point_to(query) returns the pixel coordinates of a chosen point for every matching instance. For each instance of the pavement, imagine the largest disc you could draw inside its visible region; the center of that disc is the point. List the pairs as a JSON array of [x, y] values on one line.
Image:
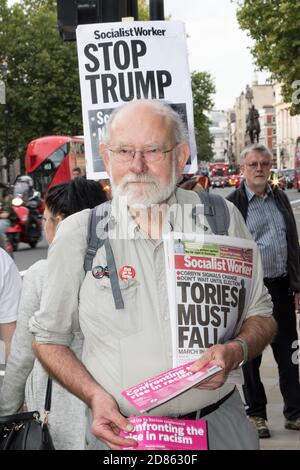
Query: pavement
[[281, 438]]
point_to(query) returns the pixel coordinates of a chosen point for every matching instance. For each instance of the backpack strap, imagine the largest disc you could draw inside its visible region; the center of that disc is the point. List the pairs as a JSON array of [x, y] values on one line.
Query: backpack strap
[[216, 212], [97, 236], [100, 214]]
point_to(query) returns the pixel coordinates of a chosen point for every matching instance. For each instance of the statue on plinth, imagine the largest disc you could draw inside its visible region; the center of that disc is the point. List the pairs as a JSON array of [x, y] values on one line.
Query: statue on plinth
[[253, 125]]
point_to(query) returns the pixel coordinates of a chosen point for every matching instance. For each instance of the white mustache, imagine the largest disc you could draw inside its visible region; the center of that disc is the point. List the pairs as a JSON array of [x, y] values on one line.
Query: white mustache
[[139, 179]]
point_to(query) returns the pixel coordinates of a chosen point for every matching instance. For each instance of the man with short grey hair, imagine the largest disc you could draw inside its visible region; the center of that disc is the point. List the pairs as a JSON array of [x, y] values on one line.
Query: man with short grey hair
[[144, 153], [269, 217]]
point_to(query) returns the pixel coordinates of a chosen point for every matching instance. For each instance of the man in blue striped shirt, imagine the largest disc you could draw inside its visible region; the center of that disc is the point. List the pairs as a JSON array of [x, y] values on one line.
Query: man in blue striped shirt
[[269, 217]]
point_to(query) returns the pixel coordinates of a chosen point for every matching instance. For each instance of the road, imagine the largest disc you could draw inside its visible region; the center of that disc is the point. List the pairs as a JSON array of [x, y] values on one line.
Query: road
[[26, 256]]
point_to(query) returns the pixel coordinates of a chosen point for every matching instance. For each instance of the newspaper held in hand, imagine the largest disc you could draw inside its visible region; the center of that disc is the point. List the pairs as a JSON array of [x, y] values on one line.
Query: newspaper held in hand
[[163, 387], [160, 433], [210, 283]]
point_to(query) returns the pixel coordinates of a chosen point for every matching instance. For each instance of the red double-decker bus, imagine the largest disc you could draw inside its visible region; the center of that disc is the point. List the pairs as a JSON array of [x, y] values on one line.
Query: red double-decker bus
[[297, 165], [50, 160], [219, 169]]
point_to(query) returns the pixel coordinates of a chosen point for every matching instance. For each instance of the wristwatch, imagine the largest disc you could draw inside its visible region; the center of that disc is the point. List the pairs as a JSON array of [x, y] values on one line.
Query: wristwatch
[[244, 347]]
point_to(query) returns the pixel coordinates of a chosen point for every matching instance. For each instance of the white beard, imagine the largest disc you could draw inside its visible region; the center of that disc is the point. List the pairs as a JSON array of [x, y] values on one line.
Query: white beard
[[144, 190]]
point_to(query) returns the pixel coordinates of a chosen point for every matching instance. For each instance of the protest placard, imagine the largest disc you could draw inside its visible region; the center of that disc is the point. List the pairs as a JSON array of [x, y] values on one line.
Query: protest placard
[[120, 62]]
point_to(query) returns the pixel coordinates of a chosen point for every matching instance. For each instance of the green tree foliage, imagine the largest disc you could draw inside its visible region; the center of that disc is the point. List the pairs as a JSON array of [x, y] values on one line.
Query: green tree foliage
[[42, 83], [203, 88], [274, 25]]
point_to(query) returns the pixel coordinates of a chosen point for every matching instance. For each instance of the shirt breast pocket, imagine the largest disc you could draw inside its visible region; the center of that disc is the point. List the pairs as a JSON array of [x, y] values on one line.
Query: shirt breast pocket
[[123, 322]]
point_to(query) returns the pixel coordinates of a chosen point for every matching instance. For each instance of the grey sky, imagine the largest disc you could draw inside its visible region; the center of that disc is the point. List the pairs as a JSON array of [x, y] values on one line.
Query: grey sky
[[215, 44]]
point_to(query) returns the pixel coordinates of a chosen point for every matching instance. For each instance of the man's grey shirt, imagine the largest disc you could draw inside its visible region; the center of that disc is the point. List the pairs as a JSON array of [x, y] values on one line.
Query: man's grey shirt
[[125, 347]]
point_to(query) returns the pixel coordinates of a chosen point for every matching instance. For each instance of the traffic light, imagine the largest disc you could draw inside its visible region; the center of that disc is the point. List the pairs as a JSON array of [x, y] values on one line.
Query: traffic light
[[71, 13], [111, 10], [67, 19], [115, 10], [87, 11]]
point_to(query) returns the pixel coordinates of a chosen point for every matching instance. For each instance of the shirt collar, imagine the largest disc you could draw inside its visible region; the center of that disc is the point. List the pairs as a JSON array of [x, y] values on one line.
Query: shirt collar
[[251, 194]]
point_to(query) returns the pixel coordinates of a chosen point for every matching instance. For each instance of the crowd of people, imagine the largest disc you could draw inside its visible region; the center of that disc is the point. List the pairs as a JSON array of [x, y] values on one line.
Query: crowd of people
[[97, 335]]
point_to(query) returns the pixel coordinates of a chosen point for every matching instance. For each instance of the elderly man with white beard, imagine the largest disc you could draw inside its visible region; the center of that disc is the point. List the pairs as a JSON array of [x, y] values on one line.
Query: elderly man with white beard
[[145, 151]]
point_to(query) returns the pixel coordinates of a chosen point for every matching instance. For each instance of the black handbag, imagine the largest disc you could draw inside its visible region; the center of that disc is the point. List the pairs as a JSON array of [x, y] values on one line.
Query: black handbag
[[25, 431]]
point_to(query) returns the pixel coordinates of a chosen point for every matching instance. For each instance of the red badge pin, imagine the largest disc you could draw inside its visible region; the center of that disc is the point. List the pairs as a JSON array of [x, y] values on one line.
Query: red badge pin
[[127, 272]]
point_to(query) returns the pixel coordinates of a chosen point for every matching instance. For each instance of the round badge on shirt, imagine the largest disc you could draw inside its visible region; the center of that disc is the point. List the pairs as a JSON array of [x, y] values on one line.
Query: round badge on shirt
[[98, 272], [127, 272]]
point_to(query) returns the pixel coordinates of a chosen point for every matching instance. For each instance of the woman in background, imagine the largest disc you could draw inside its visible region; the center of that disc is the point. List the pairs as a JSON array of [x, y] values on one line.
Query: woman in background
[[25, 379]]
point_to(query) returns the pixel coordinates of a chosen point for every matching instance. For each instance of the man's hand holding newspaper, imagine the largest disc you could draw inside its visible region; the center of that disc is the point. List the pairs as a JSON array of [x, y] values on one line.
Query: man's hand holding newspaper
[[228, 356]]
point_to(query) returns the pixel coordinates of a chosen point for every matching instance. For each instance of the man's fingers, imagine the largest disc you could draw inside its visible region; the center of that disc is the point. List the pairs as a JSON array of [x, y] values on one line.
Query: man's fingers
[[212, 383], [205, 359], [122, 423], [107, 428], [111, 435]]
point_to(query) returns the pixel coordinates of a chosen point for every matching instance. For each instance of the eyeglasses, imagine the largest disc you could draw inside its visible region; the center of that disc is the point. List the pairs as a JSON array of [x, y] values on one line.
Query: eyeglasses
[[254, 165], [150, 154]]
